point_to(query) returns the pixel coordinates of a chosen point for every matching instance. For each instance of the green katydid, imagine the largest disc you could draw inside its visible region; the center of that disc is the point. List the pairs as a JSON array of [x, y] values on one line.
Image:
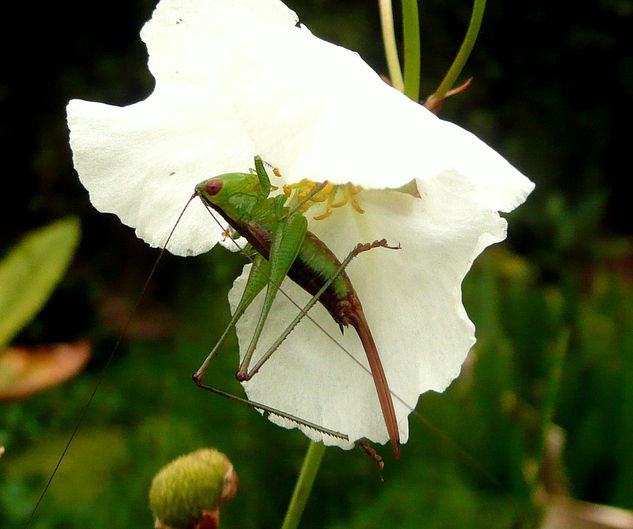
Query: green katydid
[[284, 246]]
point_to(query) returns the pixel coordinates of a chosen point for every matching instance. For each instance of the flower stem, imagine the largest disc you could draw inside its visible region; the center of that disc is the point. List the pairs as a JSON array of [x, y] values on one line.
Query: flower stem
[[464, 51], [300, 495], [411, 29], [389, 40]]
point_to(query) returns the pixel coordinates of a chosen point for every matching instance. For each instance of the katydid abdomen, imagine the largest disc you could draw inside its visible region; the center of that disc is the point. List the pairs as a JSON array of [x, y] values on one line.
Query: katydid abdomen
[[242, 200]]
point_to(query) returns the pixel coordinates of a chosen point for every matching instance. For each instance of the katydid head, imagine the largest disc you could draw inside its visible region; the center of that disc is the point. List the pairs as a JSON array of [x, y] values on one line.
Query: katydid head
[[216, 190]]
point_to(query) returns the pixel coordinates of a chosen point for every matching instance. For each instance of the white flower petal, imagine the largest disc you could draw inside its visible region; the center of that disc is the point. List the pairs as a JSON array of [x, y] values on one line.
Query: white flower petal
[[195, 40], [412, 301], [143, 161], [238, 78], [313, 109]]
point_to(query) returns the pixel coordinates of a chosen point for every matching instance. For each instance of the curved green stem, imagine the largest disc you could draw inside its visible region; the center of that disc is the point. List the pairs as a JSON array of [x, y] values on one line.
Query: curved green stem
[[389, 41], [464, 51], [411, 28], [300, 495]]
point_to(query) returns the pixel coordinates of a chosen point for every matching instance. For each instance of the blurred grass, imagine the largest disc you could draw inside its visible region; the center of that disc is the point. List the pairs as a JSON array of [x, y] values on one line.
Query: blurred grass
[[476, 467]]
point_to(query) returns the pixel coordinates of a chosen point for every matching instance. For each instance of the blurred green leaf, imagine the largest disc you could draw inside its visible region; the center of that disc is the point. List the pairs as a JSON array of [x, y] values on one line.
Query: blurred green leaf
[[30, 271]]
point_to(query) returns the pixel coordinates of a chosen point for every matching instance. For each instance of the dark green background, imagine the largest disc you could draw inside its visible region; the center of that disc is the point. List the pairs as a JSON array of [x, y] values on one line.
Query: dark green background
[[551, 91]]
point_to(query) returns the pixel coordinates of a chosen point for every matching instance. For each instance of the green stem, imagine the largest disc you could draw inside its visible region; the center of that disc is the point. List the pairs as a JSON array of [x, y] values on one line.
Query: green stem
[[464, 51], [411, 29], [304, 484], [389, 40]]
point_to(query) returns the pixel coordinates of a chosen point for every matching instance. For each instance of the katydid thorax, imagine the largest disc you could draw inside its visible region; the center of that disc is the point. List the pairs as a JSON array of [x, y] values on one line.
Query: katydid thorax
[[283, 245]]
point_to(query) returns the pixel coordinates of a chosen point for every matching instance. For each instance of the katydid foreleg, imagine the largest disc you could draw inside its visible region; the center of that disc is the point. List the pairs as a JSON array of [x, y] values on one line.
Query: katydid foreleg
[[286, 243], [257, 280]]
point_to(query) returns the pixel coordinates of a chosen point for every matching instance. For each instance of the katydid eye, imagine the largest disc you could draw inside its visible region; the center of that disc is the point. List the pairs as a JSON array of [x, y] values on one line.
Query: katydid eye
[[213, 186]]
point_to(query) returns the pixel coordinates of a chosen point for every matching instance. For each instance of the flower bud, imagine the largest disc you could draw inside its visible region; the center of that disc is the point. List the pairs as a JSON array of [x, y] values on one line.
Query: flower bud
[[187, 493]]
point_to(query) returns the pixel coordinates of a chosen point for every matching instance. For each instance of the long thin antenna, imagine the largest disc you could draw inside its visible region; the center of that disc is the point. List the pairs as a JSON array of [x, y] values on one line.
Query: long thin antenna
[[102, 373]]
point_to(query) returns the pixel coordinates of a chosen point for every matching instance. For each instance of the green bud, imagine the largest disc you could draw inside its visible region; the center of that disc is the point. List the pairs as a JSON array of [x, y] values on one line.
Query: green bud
[[187, 493]]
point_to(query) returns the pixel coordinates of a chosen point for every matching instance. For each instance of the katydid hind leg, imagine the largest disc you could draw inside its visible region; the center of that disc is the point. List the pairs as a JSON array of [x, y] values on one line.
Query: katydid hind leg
[[359, 322], [268, 410], [380, 380], [303, 312]]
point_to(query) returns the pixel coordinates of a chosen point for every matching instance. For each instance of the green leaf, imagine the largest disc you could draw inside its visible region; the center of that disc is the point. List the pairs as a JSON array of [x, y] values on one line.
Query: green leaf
[[30, 271]]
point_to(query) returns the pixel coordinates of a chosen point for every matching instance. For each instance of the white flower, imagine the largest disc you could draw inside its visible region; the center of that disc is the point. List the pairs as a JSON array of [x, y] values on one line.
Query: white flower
[[238, 78]]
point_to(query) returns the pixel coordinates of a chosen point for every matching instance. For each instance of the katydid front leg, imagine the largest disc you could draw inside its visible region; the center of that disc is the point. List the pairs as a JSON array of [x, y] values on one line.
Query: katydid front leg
[[287, 241], [257, 280]]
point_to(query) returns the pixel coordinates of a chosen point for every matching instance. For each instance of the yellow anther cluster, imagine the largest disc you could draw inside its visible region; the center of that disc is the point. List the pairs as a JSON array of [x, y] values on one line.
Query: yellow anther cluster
[[334, 196]]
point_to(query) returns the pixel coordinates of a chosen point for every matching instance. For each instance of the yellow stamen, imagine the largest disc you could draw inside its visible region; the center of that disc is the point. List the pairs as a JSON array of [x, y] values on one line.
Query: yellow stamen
[[357, 207], [324, 194], [328, 195], [345, 198], [324, 216]]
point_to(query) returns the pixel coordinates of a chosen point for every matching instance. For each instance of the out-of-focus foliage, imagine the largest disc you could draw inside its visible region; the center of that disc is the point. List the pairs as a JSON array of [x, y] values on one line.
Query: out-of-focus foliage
[[28, 370], [553, 306], [30, 271], [28, 274], [477, 465]]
